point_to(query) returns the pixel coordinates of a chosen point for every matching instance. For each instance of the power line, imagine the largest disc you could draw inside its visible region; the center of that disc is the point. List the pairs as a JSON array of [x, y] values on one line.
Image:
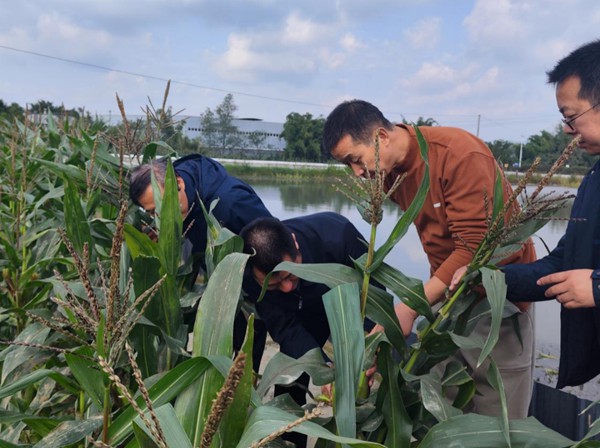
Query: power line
[[158, 78]]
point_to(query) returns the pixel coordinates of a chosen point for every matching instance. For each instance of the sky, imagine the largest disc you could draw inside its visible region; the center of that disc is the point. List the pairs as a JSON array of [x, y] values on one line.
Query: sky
[[476, 64]]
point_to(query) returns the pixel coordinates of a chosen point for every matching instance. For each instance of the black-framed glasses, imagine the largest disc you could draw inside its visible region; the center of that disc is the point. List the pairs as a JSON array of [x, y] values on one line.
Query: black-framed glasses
[[569, 122]]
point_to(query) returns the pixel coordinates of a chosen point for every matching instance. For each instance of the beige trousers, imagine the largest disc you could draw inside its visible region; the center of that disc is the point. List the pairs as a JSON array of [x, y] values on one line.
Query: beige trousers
[[515, 360]]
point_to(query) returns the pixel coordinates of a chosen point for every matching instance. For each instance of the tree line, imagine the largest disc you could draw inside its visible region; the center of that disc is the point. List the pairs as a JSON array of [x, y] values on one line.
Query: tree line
[[302, 134]]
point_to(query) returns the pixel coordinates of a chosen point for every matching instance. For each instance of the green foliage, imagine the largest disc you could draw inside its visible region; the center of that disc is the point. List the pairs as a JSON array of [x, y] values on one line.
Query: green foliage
[[11, 111], [303, 135], [421, 122], [218, 130]]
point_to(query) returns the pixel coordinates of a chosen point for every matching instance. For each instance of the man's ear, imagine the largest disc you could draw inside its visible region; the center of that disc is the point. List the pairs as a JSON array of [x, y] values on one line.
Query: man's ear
[[383, 134], [180, 184]]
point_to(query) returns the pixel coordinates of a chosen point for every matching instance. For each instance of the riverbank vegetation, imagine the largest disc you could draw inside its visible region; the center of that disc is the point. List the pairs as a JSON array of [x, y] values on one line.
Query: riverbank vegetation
[[330, 174]]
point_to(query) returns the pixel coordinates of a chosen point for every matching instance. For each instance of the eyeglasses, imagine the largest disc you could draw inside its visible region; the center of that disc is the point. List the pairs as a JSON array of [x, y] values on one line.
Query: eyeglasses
[[569, 122]]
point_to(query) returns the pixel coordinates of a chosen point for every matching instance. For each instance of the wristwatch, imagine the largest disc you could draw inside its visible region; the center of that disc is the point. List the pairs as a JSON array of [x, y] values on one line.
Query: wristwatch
[[596, 286]]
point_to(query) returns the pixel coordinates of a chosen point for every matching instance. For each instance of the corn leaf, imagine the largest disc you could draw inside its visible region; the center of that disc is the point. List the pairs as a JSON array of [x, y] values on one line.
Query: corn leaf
[[495, 380], [77, 226], [234, 420], [380, 309], [70, 432], [330, 274], [434, 400], [392, 404], [342, 305], [170, 237], [479, 431], [213, 335], [173, 432], [283, 369], [409, 290], [267, 419], [87, 374], [495, 288], [169, 386]]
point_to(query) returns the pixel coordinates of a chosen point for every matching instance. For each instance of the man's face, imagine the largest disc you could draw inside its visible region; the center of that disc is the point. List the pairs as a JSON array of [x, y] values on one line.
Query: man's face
[[147, 198], [584, 121], [360, 157], [280, 281]]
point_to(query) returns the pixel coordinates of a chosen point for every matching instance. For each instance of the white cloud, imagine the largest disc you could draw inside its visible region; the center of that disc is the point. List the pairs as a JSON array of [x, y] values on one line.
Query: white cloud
[[496, 21], [425, 34], [299, 48], [60, 30], [245, 62], [350, 43], [299, 31]]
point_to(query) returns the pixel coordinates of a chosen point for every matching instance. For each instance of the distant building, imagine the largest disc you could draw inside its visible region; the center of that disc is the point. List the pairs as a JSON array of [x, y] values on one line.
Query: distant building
[[270, 132]]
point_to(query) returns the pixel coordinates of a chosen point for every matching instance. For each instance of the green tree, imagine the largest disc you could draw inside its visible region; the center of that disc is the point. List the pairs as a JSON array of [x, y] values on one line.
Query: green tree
[[218, 130], [303, 135], [208, 125], [12, 111], [504, 151], [169, 128], [45, 107], [256, 140], [421, 122]]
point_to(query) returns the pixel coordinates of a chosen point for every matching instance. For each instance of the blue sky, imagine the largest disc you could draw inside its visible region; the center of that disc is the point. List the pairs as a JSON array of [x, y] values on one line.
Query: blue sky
[[475, 64]]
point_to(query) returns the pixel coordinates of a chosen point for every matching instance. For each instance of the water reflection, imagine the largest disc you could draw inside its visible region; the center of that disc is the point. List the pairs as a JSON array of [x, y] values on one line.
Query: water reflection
[[288, 201]]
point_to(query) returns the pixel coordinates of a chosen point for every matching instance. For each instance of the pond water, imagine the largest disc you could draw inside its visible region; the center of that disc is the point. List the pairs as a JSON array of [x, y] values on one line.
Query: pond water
[[288, 201]]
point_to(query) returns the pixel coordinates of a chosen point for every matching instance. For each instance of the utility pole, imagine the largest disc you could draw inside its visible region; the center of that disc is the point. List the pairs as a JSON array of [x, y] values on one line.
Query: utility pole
[[521, 153]]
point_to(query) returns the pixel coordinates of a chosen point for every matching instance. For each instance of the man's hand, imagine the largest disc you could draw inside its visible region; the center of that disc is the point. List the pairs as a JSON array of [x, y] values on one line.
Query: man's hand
[[457, 277], [406, 316], [327, 391], [573, 289]]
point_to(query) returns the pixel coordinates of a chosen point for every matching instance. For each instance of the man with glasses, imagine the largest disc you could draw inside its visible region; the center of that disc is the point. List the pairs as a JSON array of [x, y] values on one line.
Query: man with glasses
[[292, 308], [570, 274]]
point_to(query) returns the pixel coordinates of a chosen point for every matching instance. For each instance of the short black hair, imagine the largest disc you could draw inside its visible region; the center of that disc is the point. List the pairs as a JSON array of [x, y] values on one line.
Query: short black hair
[[269, 240], [356, 118], [584, 62], [141, 177]]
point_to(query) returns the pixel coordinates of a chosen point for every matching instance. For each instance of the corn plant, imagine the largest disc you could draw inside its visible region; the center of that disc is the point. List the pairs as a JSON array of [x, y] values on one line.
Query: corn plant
[[93, 358]]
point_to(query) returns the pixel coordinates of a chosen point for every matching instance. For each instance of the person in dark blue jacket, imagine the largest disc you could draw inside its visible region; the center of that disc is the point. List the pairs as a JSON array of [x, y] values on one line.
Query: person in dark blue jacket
[[293, 309], [570, 274], [201, 179]]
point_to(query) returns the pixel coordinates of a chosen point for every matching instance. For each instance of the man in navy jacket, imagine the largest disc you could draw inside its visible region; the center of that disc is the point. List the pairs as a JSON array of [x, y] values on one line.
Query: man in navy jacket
[[293, 309], [201, 179], [571, 272]]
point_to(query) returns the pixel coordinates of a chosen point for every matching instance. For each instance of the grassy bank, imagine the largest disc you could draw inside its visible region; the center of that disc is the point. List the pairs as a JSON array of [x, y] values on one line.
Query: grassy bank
[[285, 174], [304, 175]]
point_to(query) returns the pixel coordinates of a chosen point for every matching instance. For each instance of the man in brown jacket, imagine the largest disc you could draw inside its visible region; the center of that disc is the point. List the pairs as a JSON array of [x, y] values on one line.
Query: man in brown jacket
[[450, 225]]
